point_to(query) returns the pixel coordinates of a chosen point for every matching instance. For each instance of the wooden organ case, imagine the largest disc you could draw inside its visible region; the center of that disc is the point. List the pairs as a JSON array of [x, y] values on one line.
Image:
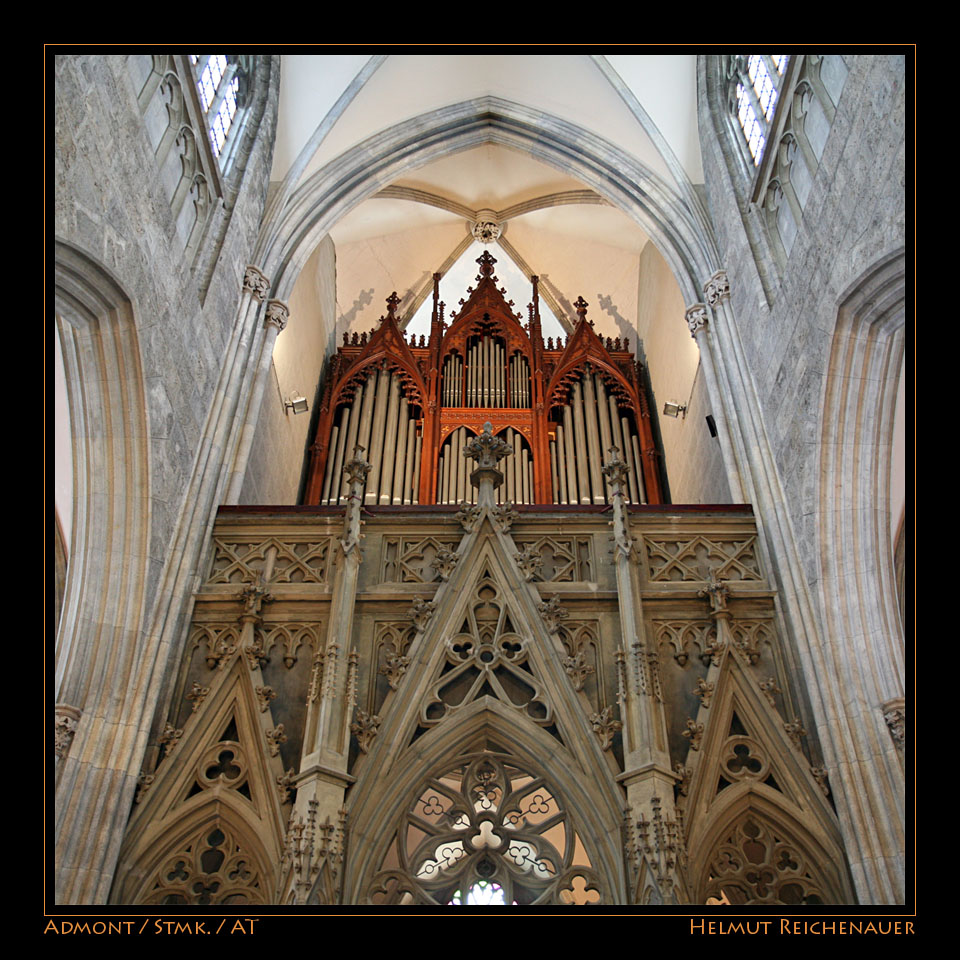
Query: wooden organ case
[[413, 407]]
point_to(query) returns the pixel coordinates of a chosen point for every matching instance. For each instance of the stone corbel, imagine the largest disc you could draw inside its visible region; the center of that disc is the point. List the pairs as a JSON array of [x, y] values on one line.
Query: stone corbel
[[256, 283], [65, 723], [717, 288], [696, 317], [277, 314], [895, 716]]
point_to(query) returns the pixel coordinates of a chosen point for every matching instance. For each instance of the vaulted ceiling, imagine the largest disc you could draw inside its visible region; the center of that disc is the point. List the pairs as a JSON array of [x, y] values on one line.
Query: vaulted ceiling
[[552, 224]]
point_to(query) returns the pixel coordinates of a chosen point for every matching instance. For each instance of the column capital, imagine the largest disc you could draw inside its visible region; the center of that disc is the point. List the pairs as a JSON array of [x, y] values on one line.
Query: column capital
[[696, 317], [255, 280], [277, 313], [717, 288]]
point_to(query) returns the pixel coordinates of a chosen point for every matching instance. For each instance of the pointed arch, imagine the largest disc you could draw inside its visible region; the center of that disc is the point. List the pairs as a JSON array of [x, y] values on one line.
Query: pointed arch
[[289, 238], [99, 640], [380, 803], [856, 568], [754, 850], [215, 775], [214, 855]]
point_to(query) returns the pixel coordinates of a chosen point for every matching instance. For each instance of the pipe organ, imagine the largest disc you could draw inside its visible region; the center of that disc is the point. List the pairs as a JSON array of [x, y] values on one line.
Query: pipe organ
[[414, 406]]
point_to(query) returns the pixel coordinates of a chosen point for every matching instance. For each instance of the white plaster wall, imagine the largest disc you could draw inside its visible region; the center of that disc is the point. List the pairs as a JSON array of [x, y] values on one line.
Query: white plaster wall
[[277, 460], [694, 467]]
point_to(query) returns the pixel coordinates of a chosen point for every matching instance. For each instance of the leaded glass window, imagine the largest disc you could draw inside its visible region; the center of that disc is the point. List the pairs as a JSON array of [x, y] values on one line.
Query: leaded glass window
[[760, 79], [218, 84]]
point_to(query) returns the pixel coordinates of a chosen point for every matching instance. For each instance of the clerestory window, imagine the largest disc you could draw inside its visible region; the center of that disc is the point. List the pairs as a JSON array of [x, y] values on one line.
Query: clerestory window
[[760, 79], [219, 82]]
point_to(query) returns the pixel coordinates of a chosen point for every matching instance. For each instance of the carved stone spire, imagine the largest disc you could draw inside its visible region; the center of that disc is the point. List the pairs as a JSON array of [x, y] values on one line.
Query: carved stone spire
[[356, 472], [615, 471]]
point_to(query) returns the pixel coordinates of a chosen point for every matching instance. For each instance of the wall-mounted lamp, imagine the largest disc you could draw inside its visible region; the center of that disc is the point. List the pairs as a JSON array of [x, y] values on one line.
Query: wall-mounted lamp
[[296, 403], [671, 409]]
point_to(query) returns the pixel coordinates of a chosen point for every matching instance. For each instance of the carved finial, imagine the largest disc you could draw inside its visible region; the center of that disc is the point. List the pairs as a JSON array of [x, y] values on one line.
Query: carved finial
[[770, 689], [704, 691], [581, 306], [421, 612], [444, 562], [718, 593], [795, 731], [694, 733], [605, 726], [529, 561], [169, 737], [820, 775], [392, 302], [364, 728], [197, 694], [552, 613], [275, 737], [486, 264], [488, 450]]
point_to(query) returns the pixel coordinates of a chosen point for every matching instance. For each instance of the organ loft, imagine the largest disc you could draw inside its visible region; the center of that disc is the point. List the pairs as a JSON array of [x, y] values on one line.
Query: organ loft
[[483, 663], [414, 407]]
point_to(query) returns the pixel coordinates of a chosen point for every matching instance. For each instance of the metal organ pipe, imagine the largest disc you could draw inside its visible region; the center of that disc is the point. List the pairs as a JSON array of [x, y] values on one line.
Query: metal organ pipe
[[366, 416], [396, 492], [342, 451], [328, 473], [408, 493], [390, 440], [593, 439], [561, 466], [415, 488], [639, 463], [583, 474], [554, 482], [572, 495], [606, 437]]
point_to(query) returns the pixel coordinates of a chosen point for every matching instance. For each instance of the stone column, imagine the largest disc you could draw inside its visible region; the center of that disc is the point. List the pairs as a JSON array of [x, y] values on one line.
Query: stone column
[[868, 790], [323, 778], [647, 775]]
